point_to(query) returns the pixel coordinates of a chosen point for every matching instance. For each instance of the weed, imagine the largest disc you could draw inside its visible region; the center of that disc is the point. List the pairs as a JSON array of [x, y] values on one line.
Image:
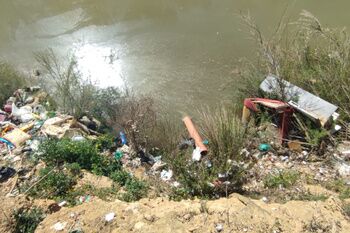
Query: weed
[[54, 183], [346, 209], [340, 186], [317, 224], [135, 190], [121, 177], [310, 197], [283, 179], [84, 153], [74, 168], [106, 194], [26, 220]]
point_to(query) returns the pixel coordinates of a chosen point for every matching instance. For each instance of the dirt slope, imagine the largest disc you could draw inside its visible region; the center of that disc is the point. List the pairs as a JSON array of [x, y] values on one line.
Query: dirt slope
[[235, 214]]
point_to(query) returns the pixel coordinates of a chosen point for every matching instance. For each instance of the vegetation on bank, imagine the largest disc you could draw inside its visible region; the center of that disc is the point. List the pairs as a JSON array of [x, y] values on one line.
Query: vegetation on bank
[[312, 56]]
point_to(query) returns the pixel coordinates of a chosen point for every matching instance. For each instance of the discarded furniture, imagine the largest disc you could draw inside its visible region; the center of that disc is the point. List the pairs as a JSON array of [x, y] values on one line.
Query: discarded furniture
[[308, 104], [283, 110]]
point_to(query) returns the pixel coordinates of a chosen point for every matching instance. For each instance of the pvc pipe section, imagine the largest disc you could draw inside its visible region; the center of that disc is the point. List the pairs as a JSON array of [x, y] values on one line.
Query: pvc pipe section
[[195, 135]]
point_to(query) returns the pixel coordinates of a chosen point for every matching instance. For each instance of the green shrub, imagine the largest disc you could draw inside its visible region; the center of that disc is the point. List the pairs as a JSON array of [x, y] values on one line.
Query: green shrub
[[58, 151], [346, 209], [74, 168], [104, 142], [135, 190], [283, 179], [121, 177], [224, 131], [106, 194], [53, 183], [340, 186], [26, 220]]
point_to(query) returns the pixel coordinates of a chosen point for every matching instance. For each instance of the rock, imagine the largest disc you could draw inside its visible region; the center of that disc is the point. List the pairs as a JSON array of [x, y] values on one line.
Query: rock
[[219, 227], [139, 225], [150, 218]]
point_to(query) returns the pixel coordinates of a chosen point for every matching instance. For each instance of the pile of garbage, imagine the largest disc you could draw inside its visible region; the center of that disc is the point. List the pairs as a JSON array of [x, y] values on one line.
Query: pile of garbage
[[25, 123], [281, 142]]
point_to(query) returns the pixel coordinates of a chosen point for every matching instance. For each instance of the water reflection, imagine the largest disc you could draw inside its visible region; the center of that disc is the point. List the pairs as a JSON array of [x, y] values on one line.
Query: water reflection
[[100, 64]]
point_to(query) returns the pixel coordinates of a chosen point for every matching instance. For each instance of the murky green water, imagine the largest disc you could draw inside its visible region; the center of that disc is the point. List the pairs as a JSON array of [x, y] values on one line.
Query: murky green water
[[182, 51]]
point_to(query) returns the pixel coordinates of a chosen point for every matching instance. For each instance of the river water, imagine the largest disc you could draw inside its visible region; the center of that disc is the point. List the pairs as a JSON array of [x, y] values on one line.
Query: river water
[[183, 52]]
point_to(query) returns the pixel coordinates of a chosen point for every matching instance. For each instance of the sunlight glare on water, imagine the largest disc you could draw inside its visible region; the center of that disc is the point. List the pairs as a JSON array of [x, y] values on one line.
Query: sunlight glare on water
[[100, 64]]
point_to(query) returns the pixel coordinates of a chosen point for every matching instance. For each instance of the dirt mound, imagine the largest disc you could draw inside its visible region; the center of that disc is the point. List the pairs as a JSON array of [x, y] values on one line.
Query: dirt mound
[[235, 214]]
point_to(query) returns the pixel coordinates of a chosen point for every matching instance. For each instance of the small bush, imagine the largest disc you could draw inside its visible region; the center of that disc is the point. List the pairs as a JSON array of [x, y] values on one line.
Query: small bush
[[121, 177], [54, 184], [224, 131], [346, 209], [84, 153], [283, 179], [340, 186], [26, 220], [104, 142], [74, 169], [106, 194], [135, 190]]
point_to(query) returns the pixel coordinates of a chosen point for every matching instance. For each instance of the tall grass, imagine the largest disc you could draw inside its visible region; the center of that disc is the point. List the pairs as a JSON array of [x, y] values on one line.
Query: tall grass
[[10, 80], [225, 133]]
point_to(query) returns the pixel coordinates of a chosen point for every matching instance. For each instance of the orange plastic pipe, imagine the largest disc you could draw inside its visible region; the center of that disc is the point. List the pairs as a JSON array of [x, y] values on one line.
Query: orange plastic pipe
[[194, 134]]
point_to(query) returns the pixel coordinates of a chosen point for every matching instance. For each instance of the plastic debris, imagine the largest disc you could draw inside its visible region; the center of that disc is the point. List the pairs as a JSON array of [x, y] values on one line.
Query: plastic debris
[[118, 155], [17, 137], [166, 175], [123, 138], [264, 147], [6, 173], [196, 154], [109, 217], [59, 226], [195, 135]]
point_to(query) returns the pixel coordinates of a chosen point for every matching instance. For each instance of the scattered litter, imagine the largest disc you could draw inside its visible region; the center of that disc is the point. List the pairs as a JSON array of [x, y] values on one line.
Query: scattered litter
[[123, 138], [109, 217], [59, 226], [264, 147], [17, 137], [166, 175], [6, 173], [62, 203], [118, 155], [195, 135], [83, 199], [343, 169], [196, 155]]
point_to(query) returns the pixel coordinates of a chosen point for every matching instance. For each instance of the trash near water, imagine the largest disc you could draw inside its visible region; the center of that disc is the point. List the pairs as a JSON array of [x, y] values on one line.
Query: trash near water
[[200, 147], [312, 106]]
